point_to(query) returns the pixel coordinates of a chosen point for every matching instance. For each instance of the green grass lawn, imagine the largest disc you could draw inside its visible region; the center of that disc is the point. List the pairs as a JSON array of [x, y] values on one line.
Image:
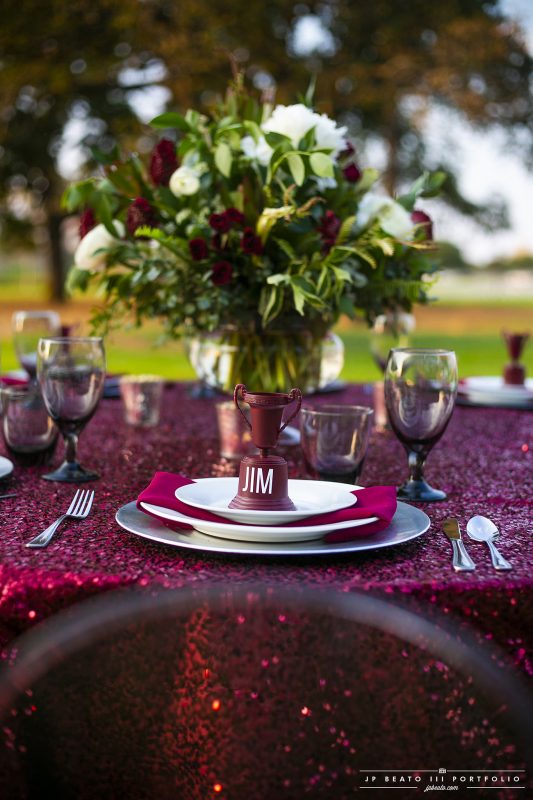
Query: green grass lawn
[[136, 352]]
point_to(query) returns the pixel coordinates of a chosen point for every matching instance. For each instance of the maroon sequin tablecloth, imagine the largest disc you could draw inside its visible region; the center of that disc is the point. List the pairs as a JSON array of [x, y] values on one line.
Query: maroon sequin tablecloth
[[233, 684], [484, 462]]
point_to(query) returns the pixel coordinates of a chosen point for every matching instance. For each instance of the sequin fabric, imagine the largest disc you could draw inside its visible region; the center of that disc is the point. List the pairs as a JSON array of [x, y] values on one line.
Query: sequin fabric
[[484, 462], [261, 702]]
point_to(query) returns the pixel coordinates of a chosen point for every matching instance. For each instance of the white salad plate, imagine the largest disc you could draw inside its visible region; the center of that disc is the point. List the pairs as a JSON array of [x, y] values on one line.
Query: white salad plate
[[309, 497], [6, 467], [255, 533], [408, 523], [491, 390]]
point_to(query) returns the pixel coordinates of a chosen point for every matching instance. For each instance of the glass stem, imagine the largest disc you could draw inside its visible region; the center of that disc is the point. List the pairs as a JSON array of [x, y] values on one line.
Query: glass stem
[[416, 465], [71, 445]]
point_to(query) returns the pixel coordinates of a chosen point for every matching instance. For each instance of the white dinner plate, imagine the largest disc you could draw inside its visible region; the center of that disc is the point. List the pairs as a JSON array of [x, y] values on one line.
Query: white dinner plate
[[408, 523], [491, 390], [6, 467], [255, 533], [309, 497]]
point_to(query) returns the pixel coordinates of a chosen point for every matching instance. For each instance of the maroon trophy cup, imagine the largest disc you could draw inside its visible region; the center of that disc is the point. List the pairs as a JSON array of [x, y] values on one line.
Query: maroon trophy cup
[[263, 479], [514, 373]]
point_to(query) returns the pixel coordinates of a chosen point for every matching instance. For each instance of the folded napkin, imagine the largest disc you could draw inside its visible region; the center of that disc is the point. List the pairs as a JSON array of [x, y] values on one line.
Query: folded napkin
[[376, 501], [8, 380]]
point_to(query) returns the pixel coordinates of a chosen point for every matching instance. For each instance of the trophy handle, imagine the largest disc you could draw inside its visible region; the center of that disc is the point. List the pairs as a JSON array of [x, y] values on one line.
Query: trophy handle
[[294, 394], [241, 388]]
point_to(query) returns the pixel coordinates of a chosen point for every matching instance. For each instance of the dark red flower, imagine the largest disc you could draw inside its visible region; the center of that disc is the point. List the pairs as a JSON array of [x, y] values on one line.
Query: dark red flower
[[87, 222], [220, 223], [140, 212], [163, 162], [425, 222], [328, 229], [199, 249], [235, 216], [251, 243], [221, 273], [352, 173]]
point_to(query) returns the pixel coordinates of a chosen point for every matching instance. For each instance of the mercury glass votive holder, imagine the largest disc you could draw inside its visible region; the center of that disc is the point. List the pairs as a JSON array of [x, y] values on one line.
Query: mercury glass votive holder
[[141, 398]]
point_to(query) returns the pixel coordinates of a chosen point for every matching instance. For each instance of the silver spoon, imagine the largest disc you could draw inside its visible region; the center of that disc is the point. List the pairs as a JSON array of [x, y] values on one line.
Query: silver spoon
[[482, 529]]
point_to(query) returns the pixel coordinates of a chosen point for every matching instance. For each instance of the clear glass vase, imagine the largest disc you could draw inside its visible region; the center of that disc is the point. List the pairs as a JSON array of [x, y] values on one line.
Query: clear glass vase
[[269, 361]]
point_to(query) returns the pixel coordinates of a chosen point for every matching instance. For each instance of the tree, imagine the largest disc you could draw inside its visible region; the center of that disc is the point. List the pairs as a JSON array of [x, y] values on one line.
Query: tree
[[75, 67]]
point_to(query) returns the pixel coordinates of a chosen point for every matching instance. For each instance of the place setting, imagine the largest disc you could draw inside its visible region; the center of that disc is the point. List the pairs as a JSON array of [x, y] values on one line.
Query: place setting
[[263, 512], [511, 389]]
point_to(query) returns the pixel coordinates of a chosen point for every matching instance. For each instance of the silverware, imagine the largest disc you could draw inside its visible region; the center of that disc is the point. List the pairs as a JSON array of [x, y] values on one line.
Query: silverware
[[481, 529], [461, 560], [5, 496], [78, 509]]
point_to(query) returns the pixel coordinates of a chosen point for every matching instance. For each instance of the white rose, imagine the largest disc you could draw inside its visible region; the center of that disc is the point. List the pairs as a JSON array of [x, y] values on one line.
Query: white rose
[[258, 151], [296, 120], [86, 256], [184, 182], [393, 217]]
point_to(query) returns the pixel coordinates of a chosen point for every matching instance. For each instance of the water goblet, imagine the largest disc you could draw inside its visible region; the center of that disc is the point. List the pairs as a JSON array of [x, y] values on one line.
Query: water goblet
[[334, 441], [420, 390], [28, 327], [71, 374], [29, 434]]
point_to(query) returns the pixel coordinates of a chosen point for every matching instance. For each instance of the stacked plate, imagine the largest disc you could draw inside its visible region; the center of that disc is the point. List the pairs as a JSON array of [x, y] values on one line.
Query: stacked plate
[[266, 532], [492, 391]]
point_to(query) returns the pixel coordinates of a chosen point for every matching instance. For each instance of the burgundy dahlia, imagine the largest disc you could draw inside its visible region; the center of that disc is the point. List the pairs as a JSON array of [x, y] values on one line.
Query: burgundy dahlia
[[251, 243], [221, 273], [234, 216], [220, 222], [198, 249], [352, 173], [425, 222], [87, 222], [163, 162], [140, 213]]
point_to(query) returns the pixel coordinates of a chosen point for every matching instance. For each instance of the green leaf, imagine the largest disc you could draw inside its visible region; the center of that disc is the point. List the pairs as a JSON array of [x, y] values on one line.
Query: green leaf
[[347, 307], [170, 119], [277, 139], [321, 164], [223, 159], [104, 212], [297, 168], [78, 279], [77, 195], [253, 129], [278, 278], [345, 229], [104, 158], [367, 179], [434, 184]]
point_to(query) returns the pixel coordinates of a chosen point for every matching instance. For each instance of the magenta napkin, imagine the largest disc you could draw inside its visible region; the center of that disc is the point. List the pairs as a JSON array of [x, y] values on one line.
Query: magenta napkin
[[376, 501]]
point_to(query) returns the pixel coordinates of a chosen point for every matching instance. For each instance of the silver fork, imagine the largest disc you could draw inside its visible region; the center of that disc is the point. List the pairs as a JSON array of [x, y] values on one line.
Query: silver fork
[[78, 509]]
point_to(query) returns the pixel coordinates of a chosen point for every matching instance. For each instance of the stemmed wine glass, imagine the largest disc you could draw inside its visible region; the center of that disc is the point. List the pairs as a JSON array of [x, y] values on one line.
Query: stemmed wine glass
[[28, 327], [71, 374], [420, 390]]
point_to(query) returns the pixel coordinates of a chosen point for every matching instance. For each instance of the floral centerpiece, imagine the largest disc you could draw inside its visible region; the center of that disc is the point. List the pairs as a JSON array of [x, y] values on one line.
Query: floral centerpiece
[[256, 226]]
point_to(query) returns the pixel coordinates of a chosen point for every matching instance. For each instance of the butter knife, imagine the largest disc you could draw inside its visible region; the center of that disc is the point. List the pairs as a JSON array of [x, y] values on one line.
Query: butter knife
[[461, 560]]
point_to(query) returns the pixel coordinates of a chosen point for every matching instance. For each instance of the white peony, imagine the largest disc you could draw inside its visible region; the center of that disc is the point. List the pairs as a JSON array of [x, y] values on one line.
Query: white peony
[[393, 217], [86, 256], [294, 121], [258, 151], [184, 181]]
